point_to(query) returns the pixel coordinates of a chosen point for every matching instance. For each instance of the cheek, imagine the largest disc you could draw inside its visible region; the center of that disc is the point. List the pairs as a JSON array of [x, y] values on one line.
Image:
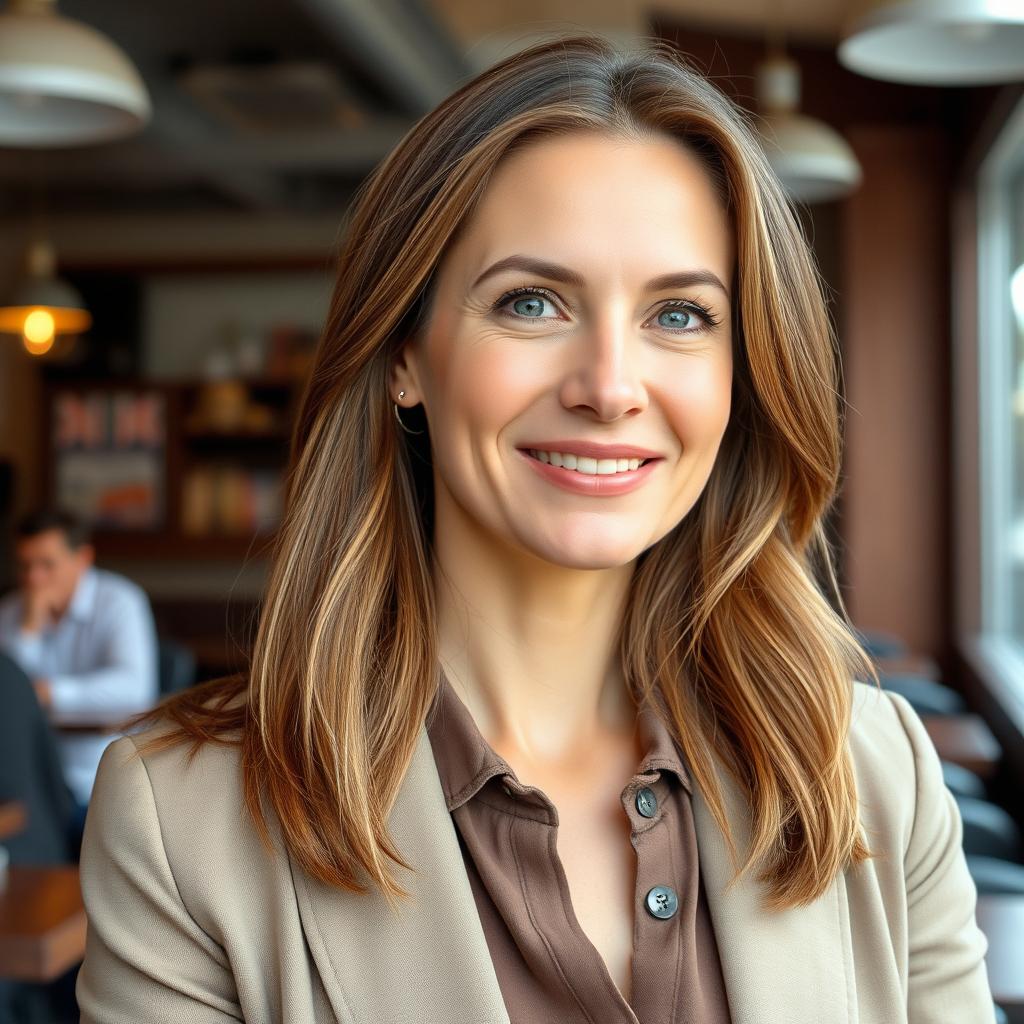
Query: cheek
[[698, 399], [489, 383]]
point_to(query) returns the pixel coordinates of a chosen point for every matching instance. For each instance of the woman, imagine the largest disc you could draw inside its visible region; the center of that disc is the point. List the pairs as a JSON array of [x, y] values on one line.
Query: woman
[[547, 717]]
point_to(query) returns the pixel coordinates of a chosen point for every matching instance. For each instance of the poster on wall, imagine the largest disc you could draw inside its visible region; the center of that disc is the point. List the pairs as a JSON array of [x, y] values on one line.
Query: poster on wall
[[110, 457]]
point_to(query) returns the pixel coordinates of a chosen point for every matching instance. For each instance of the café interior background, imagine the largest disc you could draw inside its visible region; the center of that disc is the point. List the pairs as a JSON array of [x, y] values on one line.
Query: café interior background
[[179, 271], [201, 246]]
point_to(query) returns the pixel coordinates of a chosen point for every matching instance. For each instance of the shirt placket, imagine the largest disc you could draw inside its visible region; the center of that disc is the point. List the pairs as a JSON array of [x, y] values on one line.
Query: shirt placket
[[657, 906], [582, 969], [661, 897]]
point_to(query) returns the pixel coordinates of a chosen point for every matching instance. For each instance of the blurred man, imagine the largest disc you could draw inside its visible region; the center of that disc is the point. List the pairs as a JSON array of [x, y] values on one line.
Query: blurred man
[[84, 636]]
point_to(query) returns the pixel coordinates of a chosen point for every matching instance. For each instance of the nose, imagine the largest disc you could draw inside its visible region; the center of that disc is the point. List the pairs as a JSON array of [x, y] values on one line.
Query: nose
[[607, 372]]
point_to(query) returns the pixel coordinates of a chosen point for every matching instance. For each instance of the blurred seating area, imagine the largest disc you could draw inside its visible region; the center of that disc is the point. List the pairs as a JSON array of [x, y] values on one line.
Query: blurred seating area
[[988, 796], [180, 274]]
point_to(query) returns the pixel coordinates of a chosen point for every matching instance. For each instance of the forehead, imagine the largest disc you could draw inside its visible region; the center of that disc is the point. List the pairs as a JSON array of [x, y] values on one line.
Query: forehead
[[49, 542], [606, 205]]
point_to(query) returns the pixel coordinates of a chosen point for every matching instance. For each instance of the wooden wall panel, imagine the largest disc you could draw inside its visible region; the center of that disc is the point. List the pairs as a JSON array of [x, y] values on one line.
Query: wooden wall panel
[[895, 333]]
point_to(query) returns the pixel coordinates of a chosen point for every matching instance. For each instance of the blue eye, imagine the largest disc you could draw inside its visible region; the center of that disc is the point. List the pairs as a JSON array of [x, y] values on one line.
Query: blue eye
[[529, 303], [675, 318], [682, 315], [529, 307]]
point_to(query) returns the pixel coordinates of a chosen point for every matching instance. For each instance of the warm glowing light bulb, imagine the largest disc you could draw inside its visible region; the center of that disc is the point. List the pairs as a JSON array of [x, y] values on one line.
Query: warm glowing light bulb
[[38, 332]]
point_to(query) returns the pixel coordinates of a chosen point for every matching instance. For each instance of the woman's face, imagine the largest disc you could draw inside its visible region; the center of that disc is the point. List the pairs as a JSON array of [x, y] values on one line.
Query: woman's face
[[583, 310]]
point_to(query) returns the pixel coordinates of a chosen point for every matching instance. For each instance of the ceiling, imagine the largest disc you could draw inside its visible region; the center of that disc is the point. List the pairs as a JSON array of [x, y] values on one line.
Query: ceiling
[[472, 22], [285, 105]]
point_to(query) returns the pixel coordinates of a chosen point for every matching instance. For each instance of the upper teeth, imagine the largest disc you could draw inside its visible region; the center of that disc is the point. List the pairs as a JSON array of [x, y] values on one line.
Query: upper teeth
[[585, 464]]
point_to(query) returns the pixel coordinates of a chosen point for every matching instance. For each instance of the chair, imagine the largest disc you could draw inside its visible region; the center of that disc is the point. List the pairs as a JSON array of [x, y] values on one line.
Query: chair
[[176, 666], [994, 877], [925, 696], [882, 645], [961, 781], [31, 773], [988, 830]]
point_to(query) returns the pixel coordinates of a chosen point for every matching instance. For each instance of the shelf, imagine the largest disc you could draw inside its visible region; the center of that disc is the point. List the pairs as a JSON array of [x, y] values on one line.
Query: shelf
[[200, 477], [282, 384], [163, 546], [236, 437]]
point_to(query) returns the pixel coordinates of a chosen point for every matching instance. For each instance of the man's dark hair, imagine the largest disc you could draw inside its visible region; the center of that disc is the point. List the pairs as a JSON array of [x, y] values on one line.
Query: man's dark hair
[[75, 529]]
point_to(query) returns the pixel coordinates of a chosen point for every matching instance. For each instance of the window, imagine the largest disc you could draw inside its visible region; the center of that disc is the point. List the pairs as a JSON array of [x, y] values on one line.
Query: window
[[1000, 365], [1001, 356]]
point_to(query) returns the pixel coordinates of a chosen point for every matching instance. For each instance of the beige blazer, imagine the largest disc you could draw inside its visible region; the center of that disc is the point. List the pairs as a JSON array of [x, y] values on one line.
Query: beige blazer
[[191, 921]]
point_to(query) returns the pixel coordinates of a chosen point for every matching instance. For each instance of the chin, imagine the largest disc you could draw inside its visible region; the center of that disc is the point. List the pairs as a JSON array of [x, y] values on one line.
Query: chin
[[590, 556]]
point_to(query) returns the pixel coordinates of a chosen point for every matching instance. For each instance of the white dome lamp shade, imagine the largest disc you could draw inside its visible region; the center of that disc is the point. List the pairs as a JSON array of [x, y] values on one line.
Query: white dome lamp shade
[[43, 305], [62, 83], [936, 42], [812, 160]]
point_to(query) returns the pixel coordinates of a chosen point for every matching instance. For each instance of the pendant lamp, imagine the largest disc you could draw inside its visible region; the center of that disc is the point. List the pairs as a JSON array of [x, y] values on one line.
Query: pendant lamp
[[812, 160], [62, 83], [936, 42], [43, 305]]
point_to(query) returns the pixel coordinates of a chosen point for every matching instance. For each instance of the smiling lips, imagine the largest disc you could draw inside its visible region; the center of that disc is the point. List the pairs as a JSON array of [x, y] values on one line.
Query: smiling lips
[[585, 464], [591, 449], [612, 472]]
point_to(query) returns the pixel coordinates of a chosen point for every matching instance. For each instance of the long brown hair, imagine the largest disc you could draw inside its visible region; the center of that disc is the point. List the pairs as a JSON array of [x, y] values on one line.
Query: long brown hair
[[728, 622]]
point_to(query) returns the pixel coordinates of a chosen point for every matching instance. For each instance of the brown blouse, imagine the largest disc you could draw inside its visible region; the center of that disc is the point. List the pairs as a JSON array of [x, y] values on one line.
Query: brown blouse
[[547, 968]]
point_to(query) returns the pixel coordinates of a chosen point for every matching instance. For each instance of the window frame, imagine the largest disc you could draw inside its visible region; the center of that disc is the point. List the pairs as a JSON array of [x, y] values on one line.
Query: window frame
[[987, 643]]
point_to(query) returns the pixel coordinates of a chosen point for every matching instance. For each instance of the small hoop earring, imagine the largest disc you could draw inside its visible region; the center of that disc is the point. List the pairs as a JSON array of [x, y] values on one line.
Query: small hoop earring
[[401, 394]]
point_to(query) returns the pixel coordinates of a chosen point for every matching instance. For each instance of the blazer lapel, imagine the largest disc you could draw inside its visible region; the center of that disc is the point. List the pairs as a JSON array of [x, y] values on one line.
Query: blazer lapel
[[431, 961], [794, 965]]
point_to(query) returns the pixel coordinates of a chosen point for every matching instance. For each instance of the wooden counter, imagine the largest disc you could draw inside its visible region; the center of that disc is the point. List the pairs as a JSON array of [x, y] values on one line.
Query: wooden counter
[[42, 922]]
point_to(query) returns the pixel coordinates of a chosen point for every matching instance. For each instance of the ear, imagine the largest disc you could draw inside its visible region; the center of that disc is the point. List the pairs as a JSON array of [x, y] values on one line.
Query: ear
[[404, 374]]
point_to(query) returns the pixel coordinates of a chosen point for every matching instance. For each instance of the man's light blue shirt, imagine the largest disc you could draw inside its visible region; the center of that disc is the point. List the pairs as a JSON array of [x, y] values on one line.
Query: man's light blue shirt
[[100, 655]]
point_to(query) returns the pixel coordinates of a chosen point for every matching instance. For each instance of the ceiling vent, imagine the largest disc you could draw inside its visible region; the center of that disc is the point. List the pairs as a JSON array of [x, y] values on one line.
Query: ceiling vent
[[286, 97]]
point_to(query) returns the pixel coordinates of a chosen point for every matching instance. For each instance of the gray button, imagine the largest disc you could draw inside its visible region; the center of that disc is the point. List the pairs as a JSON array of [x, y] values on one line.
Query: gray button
[[646, 802], [662, 901]]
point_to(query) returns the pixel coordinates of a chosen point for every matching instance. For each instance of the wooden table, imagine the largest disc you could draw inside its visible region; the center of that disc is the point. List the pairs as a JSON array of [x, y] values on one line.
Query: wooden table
[[12, 818], [965, 740], [42, 922], [1001, 918]]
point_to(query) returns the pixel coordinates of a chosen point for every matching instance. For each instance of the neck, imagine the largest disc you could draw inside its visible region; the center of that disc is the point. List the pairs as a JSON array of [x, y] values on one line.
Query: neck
[[60, 609], [532, 649]]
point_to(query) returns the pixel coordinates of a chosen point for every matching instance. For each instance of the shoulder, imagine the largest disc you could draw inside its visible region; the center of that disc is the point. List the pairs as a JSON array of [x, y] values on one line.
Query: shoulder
[[192, 787], [110, 583], [196, 798], [918, 873], [898, 771], [189, 807], [878, 730], [182, 896], [175, 775], [121, 607], [886, 733], [116, 595]]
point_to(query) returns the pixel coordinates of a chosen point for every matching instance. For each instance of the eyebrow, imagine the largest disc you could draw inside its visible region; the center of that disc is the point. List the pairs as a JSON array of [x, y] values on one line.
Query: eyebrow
[[556, 272]]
